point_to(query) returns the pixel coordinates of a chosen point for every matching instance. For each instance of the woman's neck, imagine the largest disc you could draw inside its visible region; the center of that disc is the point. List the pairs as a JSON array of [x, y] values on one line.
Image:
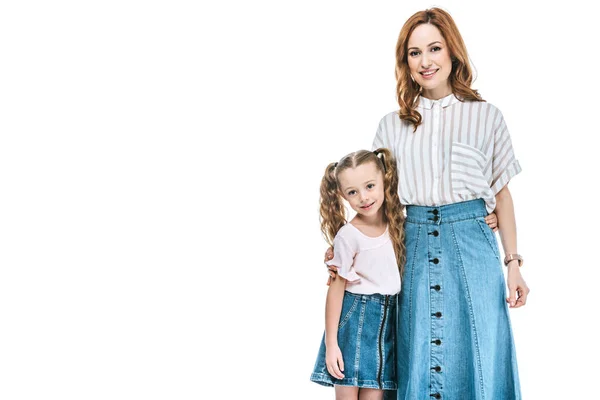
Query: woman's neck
[[437, 93]]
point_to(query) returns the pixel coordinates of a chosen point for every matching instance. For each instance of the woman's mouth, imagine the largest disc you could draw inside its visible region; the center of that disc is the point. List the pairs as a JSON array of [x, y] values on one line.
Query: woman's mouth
[[429, 73]]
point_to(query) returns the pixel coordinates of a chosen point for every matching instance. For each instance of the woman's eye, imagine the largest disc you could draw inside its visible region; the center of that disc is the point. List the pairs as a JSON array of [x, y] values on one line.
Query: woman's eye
[[413, 53], [436, 48]]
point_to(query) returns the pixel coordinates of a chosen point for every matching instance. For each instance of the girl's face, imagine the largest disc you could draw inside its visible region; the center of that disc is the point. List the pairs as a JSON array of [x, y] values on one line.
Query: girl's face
[[362, 187], [429, 61]]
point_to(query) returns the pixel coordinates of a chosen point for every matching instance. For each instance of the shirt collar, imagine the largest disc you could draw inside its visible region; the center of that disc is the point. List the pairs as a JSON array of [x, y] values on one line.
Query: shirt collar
[[444, 101]]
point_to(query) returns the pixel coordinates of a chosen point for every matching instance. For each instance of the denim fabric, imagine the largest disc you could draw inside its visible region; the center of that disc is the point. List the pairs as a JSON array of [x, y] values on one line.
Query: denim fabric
[[366, 335], [454, 335]]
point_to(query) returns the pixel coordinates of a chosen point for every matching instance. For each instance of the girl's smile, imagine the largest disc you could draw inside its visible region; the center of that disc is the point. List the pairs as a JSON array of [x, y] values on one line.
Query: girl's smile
[[368, 207]]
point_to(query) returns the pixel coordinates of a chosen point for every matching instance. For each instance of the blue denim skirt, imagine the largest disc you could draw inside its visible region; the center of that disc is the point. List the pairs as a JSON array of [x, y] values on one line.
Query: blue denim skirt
[[454, 335], [366, 337]]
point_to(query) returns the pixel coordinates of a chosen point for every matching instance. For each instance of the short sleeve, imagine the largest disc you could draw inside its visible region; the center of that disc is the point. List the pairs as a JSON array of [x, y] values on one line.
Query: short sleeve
[[504, 164], [381, 136], [343, 258]]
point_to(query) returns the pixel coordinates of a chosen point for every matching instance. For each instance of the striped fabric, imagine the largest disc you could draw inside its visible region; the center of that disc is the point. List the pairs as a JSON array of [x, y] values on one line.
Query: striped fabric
[[462, 151]]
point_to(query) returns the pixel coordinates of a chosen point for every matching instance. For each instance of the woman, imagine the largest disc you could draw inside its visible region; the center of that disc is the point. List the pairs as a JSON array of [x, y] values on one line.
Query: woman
[[455, 158]]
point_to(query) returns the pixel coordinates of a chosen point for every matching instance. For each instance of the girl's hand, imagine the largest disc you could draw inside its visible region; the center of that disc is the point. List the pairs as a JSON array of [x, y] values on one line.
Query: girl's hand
[[334, 361], [517, 288], [492, 221], [332, 268]]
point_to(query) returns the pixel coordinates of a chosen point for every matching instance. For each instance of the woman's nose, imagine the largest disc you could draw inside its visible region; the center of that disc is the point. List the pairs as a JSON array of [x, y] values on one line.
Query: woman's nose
[[426, 62]]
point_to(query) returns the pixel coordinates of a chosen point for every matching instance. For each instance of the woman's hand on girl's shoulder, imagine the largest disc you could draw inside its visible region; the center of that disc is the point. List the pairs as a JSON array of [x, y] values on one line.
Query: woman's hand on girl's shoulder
[[332, 268]]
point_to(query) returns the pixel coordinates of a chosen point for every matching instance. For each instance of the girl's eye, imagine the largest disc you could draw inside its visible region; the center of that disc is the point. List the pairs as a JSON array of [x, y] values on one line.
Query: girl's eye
[[413, 53], [351, 193], [370, 186]]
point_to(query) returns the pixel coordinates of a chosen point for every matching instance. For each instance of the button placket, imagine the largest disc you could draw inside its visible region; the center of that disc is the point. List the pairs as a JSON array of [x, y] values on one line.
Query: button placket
[[436, 298], [437, 116]]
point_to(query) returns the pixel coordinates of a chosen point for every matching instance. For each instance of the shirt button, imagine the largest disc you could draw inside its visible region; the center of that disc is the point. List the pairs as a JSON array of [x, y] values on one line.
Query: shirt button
[[437, 369], [436, 261], [437, 288], [436, 218], [438, 314], [435, 212], [437, 342], [436, 395], [436, 233]]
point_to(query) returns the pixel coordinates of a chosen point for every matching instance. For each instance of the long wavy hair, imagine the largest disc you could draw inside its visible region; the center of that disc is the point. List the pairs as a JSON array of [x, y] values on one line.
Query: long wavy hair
[[333, 211], [460, 78]]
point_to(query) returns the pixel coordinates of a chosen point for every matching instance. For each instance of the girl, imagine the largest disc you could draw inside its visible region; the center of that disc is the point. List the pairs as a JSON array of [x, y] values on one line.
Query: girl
[[357, 351]]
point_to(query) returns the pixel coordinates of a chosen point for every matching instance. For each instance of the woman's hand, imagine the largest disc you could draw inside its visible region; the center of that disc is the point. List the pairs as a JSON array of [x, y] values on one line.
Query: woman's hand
[[334, 361], [517, 288], [492, 221], [332, 268]]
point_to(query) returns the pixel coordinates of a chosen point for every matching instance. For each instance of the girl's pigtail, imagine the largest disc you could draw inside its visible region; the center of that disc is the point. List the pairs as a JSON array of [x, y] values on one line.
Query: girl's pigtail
[[393, 209], [332, 210]]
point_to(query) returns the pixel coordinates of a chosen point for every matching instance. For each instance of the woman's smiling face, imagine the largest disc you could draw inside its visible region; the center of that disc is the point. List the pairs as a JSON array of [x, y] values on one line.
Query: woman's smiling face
[[429, 61]]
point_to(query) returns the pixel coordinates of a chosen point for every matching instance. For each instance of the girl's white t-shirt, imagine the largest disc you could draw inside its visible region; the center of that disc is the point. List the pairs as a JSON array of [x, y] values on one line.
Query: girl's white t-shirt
[[367, 263]]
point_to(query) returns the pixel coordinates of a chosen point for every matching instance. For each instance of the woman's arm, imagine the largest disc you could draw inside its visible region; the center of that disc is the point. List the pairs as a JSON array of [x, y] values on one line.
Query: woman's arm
[[507, 225], [333, 310]]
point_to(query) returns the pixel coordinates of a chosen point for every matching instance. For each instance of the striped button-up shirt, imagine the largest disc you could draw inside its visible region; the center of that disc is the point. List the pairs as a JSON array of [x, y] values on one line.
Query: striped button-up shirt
[[461, 151]]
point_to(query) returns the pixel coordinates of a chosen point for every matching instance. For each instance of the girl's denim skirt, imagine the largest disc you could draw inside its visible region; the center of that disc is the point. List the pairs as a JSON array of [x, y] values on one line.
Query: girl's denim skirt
[[366, 337]]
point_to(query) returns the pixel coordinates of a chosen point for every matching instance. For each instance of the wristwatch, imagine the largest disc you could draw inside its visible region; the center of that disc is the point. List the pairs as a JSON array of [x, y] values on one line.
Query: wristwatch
[[510, 257]]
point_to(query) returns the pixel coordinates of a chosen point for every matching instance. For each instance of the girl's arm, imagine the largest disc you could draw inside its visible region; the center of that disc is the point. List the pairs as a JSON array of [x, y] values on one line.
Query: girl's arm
[[333, 310], [508, 235], [492, 221]]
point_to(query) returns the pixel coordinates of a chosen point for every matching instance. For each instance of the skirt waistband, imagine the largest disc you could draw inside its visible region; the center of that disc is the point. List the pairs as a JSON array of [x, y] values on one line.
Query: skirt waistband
[[447, 213], [374, 297]]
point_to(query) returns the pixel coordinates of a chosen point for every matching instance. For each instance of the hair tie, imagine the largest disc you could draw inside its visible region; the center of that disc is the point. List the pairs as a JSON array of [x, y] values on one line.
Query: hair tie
[[377, 154]]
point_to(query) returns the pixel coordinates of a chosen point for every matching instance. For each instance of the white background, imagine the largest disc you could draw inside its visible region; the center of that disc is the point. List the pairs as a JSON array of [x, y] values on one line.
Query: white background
[[159, 173]]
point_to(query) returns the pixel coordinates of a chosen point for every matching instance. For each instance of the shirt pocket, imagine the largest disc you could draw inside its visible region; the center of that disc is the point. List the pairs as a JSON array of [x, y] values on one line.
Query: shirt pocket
[[467, 164]]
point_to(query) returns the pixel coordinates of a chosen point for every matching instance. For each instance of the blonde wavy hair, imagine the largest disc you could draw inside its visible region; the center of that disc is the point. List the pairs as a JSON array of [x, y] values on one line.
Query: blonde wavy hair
[[333, 211], [460, 78]]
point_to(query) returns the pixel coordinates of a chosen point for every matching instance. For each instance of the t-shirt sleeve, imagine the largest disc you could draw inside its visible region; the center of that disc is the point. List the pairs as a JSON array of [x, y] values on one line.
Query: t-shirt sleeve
[[504, 164], [381, 136], [343, 259]]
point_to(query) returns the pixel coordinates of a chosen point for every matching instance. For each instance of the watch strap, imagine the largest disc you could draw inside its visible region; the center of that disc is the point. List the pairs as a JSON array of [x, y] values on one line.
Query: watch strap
[[511, 257]]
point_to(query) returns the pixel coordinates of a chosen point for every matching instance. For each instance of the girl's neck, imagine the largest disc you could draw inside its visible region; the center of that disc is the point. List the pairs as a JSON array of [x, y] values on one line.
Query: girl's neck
[[373, 220]]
